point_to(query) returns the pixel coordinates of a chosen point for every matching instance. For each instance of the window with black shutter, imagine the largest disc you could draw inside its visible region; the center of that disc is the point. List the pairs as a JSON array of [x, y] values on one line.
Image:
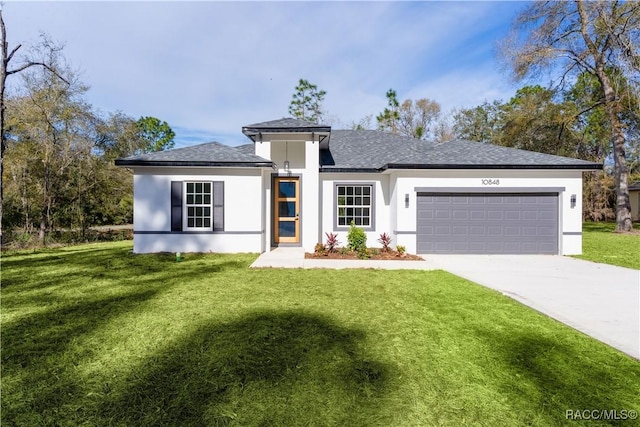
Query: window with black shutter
[[197, 205]]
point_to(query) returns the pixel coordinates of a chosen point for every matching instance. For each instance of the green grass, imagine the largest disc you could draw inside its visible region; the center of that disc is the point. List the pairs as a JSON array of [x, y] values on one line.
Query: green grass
[[93, 335], [601, 244]]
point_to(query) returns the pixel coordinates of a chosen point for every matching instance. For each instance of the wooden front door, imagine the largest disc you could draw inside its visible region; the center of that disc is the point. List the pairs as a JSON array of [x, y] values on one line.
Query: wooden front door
[[286, 210]]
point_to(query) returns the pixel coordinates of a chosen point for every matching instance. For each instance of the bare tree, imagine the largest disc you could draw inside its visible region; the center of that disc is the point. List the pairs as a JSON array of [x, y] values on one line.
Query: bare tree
[[413, 119], [570, 37], [24, 63]]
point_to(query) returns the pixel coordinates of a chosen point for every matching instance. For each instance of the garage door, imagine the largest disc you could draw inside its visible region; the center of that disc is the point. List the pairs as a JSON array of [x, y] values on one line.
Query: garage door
[[457, 223]]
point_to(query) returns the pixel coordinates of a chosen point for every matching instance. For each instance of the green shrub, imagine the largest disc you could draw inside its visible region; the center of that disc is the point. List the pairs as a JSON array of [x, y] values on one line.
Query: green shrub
[[357, 238], [319, 249], [401, 249], [364, 253]]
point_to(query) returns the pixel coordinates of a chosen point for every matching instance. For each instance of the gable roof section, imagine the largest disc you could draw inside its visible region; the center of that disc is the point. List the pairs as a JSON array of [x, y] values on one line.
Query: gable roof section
[[284, 125], [374, 151], [211, 154]]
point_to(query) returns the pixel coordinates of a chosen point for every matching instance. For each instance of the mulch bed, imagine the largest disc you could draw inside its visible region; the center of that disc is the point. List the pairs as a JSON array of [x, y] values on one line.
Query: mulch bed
[[374, 254]]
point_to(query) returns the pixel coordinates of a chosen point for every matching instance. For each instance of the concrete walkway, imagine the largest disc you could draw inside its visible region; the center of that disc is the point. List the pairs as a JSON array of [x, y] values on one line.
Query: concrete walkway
[[294, 258], [600, 300]]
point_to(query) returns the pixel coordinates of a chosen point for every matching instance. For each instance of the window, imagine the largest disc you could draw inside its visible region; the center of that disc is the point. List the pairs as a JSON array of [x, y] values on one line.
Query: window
[[197, 206], [354, 202]]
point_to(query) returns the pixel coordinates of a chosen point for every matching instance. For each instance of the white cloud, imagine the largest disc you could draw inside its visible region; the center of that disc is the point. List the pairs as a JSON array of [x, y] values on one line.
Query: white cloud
[[208, 68]]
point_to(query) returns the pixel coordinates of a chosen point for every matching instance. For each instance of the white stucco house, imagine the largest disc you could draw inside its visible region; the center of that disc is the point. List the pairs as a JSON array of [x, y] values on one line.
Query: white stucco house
[[297, 180]]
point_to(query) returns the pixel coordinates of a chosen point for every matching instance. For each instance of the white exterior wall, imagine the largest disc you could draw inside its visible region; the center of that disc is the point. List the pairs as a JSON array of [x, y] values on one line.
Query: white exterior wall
[[243, 223], [382, 214], [304, 158], [570, 219]]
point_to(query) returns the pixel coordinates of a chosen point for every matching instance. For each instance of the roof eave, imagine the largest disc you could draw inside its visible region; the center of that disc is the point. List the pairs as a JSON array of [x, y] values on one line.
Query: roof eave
[[252, 132], [129, 163], [592, 166], [348, 170]]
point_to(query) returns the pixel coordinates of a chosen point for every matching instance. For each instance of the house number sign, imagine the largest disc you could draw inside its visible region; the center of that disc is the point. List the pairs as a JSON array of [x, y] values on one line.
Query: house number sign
[[489, 181]]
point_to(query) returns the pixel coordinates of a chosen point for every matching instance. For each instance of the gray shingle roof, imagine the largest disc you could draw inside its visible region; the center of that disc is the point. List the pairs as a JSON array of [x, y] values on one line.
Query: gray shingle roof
[[246, 148], [287, 124], [374, 150], [369, 150], [209, 154]]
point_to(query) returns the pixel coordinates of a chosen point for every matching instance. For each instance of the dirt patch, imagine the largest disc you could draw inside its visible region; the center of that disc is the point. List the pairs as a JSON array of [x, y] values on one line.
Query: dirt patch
[[374, 254]]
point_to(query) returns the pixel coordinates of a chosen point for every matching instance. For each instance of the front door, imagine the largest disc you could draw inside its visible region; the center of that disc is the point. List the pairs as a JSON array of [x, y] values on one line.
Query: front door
[[286, 210]]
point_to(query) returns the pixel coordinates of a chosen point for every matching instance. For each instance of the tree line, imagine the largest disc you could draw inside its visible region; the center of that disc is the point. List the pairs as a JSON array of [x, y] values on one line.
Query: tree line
[[58, 151], [591, 111]]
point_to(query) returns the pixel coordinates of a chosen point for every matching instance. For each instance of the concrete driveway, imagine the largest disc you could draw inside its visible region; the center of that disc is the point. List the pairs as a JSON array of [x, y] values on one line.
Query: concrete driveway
[[600, 300]]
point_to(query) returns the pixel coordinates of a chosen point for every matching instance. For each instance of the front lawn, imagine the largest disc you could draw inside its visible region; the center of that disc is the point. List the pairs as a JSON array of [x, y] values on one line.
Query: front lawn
[[93, 335], [601, 244]]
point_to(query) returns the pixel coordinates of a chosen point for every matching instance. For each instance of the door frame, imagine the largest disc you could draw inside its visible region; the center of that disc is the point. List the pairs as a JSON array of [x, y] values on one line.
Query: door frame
[[274, 200]]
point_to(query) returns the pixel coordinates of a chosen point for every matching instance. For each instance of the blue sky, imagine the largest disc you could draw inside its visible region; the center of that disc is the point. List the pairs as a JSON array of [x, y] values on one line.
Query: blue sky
[[208, 68]]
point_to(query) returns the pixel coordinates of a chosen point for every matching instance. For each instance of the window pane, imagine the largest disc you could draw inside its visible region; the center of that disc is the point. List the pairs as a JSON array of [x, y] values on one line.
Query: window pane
[[207, 222], [190, 187], [287, 209], [207, 199], [206, 211], [198, 187], [353, 204], [190, 211], [190, 222], [189, 199], [287, 189], [198, 222], [207, 187], [198, 199], [286, 228]]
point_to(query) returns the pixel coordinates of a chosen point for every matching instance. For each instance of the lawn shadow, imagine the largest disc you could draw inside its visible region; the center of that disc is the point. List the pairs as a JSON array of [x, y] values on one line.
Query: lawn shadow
[[557, 376], [267, 368], [36, 354], [82, 264]]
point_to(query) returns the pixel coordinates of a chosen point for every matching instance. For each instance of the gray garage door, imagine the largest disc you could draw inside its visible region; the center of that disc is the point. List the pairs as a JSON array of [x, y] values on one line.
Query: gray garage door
[[504, 223]]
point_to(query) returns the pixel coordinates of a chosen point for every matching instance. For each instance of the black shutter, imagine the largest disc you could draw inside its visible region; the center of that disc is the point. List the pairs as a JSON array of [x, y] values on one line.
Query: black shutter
[[218, 206], [176, 205]]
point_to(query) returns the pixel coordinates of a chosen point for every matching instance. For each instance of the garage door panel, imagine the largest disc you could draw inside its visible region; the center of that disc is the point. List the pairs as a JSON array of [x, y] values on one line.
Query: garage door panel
[[496, 215], [479, 215], [512, 215], [485, 223], [547, 215], [442, 214], [460, 214]]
